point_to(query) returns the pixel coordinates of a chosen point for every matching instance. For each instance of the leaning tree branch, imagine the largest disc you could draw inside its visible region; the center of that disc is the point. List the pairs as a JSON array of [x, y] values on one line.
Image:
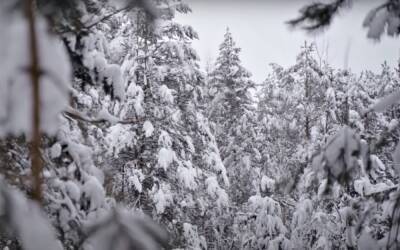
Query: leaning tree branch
[[76, 115], [148, 8], [105, 18]]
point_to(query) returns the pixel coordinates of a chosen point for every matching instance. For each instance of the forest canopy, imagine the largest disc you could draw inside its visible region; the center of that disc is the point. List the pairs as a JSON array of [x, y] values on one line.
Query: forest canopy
[[113, 137]]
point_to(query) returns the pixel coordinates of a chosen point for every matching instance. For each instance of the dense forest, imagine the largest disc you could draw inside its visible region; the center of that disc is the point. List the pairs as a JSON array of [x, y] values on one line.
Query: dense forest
[[113, 137]]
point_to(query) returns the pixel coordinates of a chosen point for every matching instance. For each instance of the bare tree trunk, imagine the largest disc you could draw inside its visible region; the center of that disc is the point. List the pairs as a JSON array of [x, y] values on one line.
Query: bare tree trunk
[[326, 126], [36, 163], [346, 115], [307, 128], [346, 119], [307, 99]]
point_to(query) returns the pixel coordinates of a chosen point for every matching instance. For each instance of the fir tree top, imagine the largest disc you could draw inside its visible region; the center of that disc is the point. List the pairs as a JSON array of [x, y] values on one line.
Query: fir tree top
[[228, 63]]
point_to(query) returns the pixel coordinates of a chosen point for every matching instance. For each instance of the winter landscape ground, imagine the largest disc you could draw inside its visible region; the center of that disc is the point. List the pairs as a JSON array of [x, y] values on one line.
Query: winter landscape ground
[[113, 137]]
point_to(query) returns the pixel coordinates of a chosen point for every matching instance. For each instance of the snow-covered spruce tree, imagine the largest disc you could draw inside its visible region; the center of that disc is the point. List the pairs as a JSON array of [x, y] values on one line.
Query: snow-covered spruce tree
[[290, 129], [315, 223], [166, 163], [277, 127], [288, 95], [301, 101], [232, 111], [290, 108], [304, 78]]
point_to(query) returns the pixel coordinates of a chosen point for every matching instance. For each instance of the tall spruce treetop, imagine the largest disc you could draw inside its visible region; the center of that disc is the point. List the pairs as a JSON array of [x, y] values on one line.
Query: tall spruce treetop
[[229, 58], [229, 82]]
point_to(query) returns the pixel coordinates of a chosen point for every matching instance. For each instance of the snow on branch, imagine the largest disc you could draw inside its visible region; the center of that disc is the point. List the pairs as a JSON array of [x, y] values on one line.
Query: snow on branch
[[25, 219], [121, 230]]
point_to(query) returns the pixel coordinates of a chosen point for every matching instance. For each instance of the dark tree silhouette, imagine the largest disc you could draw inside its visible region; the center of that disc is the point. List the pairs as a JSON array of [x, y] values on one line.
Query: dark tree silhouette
[[318, 15]]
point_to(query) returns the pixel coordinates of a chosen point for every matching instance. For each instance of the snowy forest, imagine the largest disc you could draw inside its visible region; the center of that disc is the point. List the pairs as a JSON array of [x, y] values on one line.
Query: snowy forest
[[113, 137]]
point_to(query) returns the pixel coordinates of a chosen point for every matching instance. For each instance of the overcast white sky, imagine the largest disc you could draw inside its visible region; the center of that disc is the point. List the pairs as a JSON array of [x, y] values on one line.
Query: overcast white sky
[[258, 28]]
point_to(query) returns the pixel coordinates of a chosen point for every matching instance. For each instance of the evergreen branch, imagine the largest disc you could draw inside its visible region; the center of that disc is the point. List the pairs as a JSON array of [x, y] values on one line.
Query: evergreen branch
[[318, 15]]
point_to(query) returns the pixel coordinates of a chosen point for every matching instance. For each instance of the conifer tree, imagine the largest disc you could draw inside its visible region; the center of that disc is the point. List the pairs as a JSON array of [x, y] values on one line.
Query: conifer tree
[[169, 163], [232, 112]]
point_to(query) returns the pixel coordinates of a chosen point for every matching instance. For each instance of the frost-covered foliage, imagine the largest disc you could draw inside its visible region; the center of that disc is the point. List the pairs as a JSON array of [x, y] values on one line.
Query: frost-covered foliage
[[26, 221], [261, 225], [291, 107], [343, 174]]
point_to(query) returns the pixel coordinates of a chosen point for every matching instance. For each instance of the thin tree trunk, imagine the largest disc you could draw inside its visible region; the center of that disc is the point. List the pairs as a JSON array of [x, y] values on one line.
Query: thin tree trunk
[[307, 121], [326, 126], [346, 111], [307, 128], [36, 163], [308, 101]]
